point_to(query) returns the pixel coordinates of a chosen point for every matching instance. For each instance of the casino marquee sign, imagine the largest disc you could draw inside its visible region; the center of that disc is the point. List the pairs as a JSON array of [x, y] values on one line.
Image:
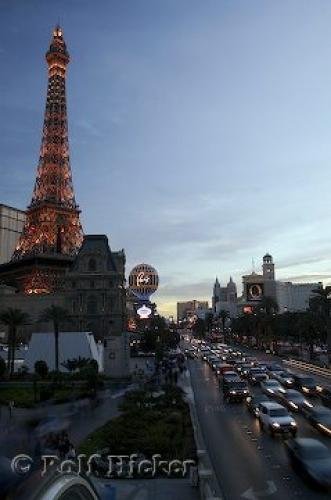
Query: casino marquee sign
[[254, 291], [143, 281]]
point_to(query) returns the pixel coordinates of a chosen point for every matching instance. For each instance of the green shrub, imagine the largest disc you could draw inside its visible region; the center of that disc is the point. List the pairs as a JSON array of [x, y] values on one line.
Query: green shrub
[[147, 425], [2, 367], [41, 368]]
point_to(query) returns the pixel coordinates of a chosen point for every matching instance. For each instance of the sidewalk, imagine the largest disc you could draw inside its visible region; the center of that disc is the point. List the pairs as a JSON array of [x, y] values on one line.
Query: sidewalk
[[16, 438], [152, 489]]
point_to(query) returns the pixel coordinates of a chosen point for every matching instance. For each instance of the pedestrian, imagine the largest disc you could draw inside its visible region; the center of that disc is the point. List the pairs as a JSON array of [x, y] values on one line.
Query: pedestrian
[[71, 455], [194, 477], [63, 448], [11, 405]]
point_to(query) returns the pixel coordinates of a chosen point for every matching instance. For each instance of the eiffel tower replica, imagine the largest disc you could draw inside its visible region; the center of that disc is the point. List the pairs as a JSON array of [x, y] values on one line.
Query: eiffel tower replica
[[52, 234]]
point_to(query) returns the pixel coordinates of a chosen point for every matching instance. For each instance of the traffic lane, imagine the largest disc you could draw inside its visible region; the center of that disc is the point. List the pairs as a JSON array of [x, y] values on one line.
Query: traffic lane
[[272, 358], [304, 427], [236, 464], [243, 456]]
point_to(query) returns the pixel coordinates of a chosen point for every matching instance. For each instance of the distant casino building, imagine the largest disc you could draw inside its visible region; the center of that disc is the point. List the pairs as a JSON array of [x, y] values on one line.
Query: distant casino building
[[11, 225], [191, 308], [289, 296], [225, 298]]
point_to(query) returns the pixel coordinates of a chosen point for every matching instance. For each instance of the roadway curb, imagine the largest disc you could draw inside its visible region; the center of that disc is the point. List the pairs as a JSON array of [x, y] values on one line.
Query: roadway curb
[[210, 488]]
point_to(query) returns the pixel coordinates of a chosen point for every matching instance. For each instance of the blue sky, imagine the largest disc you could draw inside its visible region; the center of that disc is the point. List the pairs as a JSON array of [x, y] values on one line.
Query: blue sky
[[199, 130]]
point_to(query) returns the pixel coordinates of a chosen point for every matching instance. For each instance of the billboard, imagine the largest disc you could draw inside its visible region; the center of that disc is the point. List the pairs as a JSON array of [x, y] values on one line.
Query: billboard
[[143, 281], [254, 291]]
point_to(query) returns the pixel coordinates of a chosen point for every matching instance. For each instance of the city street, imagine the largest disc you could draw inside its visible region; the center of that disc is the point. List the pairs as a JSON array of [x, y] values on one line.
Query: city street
[[248, 462]]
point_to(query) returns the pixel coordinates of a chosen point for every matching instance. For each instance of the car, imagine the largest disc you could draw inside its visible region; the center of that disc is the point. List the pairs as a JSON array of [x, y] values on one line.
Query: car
[[230, 359], [293, 399], [311, 459], [243, 370], [209, 355], [261, 365], [235, 390], [273, 368], [250, 360], [271, 387], [229, 376], [224, 367], [276, 418], [212, 359], [190, 353], [324, 392], [256, 375], [320, 418], [238, 363], [239, 354], [253, 402], [285, 378], [306, 384], [215, 366]]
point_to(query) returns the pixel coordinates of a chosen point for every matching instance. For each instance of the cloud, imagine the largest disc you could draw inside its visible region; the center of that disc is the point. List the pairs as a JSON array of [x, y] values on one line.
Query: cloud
[[308, 277], [187, 290], [88, 127], [300, 260]]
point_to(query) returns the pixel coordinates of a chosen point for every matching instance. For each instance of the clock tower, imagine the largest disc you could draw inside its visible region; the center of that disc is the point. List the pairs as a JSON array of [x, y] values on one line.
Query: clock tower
[[268, 267]]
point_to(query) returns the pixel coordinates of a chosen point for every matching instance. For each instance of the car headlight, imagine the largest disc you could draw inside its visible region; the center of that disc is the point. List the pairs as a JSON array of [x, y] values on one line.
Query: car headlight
[[248, 399], [319, 388], [245, 391], [293, 405], [253, 378], [305, 389], [270, 390], [289, 381], [293, 423], [233, 392], [308, 404], [275, 424]]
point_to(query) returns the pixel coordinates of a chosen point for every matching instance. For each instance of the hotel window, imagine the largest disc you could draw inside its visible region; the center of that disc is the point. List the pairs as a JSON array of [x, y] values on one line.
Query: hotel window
[[92, 305], [92, 265]]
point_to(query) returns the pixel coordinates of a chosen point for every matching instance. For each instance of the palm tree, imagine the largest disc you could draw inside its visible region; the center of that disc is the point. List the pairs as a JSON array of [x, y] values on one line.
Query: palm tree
[[57, 315], [320, 306], [13, 319], [310, 329], [198, 328], [224, 315], [268, 305], [266, 309]]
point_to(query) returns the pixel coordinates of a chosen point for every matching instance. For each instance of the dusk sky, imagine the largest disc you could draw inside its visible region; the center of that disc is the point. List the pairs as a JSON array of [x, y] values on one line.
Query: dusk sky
[[199, 130]]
